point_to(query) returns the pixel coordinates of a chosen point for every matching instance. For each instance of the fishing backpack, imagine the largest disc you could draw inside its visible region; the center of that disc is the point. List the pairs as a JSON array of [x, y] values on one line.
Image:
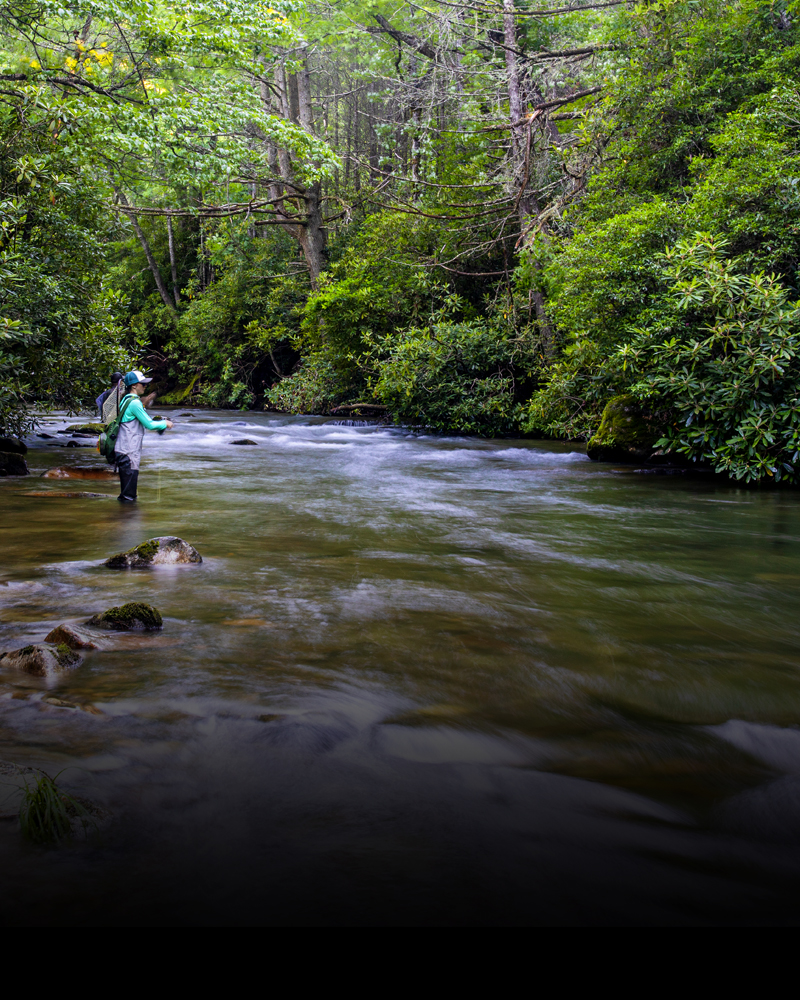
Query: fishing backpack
[[108, 438]]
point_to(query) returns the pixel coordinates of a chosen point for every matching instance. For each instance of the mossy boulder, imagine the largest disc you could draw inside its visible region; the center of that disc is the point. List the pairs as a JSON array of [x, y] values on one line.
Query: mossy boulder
[[166, 550], [87, 428], [40, 660], [12, 464], [627, 432], [128, 616]]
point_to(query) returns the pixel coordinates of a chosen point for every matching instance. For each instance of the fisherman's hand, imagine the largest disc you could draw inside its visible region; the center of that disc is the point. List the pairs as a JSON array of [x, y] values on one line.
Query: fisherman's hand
[[170, 425]]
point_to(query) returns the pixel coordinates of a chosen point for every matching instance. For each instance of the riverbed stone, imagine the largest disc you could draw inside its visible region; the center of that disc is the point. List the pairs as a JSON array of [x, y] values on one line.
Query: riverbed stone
[[63, 495], [627, 432], [65, 635], [166, 550], [87, 428], [244, 441], [13, 445], [80, 472], [134, 615], [40, 660], [12, 464]]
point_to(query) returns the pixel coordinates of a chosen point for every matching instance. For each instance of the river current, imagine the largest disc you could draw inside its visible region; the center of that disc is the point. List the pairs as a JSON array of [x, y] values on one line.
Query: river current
[[416, 680]]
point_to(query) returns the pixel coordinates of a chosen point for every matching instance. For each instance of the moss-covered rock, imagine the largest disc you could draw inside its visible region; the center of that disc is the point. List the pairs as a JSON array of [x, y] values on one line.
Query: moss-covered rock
[[134, 615], [627, 433], [87, 428], [42, 661], [166, 550]]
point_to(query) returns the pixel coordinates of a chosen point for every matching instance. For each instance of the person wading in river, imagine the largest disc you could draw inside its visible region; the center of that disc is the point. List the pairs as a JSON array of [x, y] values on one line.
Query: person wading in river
[[128, 446]]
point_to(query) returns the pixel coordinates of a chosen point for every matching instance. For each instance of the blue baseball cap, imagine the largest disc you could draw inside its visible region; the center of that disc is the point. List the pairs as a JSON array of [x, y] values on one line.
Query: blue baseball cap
[[135, 376]]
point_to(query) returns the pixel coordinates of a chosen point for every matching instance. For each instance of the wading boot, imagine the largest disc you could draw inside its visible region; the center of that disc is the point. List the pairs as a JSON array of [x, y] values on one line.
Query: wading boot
[[127, 485]]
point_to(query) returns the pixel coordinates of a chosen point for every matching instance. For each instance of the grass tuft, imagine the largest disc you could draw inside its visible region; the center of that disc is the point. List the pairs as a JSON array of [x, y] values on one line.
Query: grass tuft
[[46, 813]]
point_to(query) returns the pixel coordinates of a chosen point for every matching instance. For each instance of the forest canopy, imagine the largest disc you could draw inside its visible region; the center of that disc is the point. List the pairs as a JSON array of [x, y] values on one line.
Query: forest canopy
[[491, 218]]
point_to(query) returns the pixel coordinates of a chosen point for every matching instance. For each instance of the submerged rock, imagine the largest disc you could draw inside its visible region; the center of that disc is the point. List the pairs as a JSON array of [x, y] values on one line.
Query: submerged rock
[[12, 464], [128, 616], [63, 494], [13, 445], [65, 635], [166, 550], [49, 437], [244, 441], [42, 661], [79, 472], [626, 433]]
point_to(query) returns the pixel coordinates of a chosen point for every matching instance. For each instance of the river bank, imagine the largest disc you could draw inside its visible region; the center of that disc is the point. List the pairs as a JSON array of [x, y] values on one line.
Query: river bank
[[415, 680]]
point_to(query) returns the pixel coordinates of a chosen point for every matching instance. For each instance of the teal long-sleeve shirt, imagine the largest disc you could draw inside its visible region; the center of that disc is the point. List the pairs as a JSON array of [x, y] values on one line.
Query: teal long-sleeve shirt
[[135, 411]]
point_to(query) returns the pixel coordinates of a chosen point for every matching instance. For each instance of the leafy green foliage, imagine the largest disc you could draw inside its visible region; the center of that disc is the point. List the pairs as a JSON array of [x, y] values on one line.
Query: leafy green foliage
[[58, 338], [731, 372], [699, 134], [459, 377]]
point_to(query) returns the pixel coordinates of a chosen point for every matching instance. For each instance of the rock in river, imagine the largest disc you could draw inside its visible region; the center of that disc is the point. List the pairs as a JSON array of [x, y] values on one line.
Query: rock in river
[[79, 472], [166, 550], [41, 660], [627, 432], [87, 428], [12, 464], [244, 441], [65, 635], [127, 617], [13, 445], [63, 495]]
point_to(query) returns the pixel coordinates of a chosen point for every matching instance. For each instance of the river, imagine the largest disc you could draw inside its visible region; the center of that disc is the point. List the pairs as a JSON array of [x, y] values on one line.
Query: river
[[416, 680]]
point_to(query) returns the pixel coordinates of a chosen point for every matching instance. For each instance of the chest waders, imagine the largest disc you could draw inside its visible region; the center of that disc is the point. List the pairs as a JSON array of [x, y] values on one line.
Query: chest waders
[[128, 480]]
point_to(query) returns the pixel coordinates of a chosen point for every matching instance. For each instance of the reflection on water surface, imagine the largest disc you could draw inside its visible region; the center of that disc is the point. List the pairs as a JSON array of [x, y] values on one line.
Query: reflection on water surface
[[415, 680]]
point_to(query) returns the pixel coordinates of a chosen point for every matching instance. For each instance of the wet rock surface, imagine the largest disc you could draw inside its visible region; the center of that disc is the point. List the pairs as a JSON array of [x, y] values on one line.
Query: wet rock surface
[[64, 494], [40, 660], [90, 429], [134, 615], [12, 464], [13, 445], [244, 441], [166, 550], [66, 635], [80, 472], [627, 433]]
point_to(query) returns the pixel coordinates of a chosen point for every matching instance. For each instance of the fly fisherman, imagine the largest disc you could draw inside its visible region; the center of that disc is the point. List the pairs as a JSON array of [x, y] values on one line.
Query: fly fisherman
[[128, 446]]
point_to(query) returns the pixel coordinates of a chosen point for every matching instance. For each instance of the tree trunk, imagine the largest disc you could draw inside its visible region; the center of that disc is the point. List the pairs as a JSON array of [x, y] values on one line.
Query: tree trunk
[[172, 265], [151, 261], [313, 236], [515, 110]]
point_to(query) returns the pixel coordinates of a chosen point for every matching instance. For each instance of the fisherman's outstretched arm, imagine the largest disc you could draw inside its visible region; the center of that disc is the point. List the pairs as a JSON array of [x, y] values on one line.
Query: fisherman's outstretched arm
[[138, 411]]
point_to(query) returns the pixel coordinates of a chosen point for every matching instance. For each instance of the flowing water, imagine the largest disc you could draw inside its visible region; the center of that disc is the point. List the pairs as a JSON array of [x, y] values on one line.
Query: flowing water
[[415, 680]]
